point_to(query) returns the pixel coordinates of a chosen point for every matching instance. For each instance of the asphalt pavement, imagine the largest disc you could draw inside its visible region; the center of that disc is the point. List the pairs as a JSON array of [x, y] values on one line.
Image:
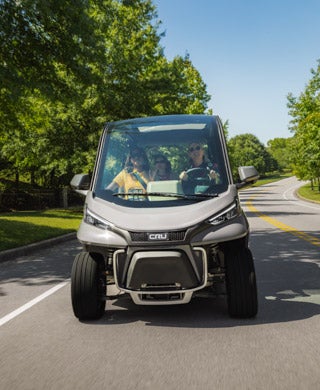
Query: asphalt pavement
[[12, 254]]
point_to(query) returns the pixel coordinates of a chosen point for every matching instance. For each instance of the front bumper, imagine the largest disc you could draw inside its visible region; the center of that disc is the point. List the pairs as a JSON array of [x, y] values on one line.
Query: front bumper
[[158, 267], [160, 277]]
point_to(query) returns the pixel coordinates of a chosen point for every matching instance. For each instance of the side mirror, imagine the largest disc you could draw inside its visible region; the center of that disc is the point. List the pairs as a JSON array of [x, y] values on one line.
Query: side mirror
[[248, 175], [81, 183]]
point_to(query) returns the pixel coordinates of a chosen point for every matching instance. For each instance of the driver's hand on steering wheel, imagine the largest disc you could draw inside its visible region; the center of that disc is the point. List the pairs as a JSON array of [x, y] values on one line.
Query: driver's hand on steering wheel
[[213, 175], [183, 176]]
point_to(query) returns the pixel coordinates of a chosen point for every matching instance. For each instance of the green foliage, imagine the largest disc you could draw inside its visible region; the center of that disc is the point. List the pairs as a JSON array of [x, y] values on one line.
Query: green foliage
[[22, 228], [226, 129], [69, 66], [246, 149], [310, 192], [177, 88], [280, 150], [36, 35], [305, 124]]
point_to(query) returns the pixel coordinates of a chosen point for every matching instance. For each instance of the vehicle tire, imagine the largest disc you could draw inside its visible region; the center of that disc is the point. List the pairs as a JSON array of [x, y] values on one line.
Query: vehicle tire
[[87, 287], [241, 283]]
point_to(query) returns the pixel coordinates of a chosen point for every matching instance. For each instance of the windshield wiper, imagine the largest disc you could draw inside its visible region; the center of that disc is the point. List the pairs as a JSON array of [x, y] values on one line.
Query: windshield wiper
[[168, 195]]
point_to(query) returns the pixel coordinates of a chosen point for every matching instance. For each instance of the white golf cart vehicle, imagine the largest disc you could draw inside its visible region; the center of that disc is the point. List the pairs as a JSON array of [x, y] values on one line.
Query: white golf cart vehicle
[[163, 234]]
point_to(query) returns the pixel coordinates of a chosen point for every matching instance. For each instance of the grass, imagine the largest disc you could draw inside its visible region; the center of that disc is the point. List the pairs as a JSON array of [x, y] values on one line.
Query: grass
[[306, 192], [26, 227]]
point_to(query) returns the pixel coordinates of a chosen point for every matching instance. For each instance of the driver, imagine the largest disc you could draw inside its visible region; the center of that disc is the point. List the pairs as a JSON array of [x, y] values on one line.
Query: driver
[[198, 160]]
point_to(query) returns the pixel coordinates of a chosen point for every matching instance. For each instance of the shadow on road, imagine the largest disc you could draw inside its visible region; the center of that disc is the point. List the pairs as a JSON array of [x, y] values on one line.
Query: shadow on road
[[45, 267], [288, 277], [206, 313]]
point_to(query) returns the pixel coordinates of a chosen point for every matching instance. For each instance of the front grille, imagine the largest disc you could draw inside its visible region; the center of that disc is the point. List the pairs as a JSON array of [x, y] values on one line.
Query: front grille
[[144, 237]]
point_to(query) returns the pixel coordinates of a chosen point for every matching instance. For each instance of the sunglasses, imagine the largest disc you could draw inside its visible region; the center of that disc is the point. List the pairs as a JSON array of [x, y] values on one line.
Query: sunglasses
[[160, 161], [195, 148]]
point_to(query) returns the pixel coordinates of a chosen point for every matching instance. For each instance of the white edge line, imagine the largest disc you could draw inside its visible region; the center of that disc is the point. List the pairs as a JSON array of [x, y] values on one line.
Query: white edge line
[[299, 200], [33, 302]]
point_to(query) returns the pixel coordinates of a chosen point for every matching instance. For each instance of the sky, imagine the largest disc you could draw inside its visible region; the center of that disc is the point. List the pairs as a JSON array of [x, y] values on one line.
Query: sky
[[250, 53]]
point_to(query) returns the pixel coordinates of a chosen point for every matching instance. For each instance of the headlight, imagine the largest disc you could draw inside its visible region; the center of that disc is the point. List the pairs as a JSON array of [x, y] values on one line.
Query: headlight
[[94, 220], [230, 212]]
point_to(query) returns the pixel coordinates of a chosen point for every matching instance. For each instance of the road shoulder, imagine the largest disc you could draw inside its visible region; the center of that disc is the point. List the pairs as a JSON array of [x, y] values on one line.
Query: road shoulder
[[12, 254]]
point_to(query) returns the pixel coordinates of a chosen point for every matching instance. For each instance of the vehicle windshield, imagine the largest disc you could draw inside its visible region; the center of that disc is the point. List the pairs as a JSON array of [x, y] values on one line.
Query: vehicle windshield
[[161, 161]]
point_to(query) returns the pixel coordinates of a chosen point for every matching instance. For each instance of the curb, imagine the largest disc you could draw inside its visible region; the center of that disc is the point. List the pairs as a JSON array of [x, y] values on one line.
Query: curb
[[12, 254], [305, 199]]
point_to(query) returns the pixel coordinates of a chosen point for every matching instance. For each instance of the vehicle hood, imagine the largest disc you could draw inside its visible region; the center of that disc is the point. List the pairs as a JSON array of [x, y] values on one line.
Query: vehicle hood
[[160, 218]]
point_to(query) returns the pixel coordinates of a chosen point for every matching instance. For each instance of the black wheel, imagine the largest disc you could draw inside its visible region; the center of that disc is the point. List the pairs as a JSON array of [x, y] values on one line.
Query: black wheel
[[241, 283], [87, 287]]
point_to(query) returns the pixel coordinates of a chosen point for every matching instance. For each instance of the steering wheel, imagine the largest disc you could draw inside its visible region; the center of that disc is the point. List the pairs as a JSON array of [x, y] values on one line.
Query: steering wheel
[[196, 177], [198, 174]]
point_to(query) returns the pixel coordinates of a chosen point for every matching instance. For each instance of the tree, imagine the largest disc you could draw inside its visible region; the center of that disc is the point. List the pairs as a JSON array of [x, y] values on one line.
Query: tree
[[246, 149], [44, 52], [305, 124], [280, 150], [66, 73], [176, 87], [36, 36]]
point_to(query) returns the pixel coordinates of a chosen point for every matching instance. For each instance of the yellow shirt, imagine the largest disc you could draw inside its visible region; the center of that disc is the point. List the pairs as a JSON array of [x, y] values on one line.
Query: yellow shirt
[[130, 183]]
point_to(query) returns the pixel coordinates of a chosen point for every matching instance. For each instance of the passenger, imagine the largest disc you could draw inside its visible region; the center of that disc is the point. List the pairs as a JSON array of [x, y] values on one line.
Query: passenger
[[162, 170], [135, 175], [198, 160]]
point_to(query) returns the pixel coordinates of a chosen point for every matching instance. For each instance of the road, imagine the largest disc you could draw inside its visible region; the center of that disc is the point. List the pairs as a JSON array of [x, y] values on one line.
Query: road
[[194, 346]]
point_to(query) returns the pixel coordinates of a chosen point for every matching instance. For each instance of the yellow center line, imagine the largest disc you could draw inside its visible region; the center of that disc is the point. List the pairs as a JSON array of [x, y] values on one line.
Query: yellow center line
[[289, 229]]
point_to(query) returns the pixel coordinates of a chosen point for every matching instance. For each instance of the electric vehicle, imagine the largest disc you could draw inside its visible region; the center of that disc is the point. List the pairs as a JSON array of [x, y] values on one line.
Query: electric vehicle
[[165, 241]]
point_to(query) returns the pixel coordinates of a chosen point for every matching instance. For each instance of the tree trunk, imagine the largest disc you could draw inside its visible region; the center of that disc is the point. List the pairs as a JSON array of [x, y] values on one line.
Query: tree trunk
[[17, 179]]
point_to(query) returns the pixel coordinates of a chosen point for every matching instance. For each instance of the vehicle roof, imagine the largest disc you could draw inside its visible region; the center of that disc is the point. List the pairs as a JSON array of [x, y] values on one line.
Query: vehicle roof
[[163, 119]]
